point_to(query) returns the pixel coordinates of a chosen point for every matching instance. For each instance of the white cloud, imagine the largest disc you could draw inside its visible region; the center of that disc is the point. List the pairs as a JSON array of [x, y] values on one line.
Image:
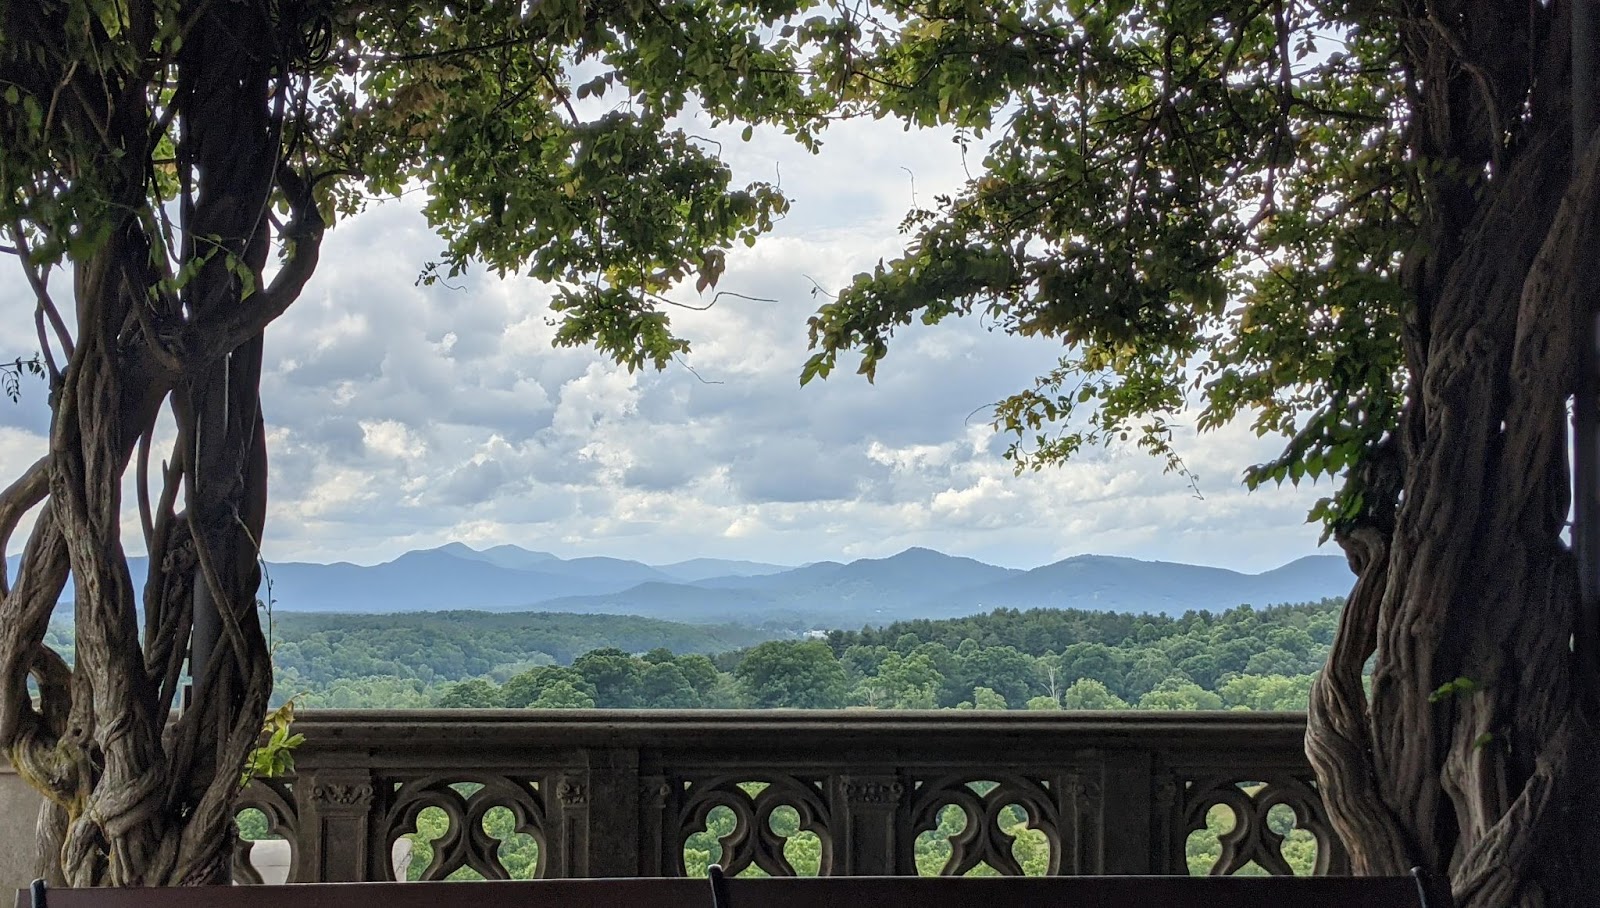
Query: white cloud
[[392, 439], [405, 416]]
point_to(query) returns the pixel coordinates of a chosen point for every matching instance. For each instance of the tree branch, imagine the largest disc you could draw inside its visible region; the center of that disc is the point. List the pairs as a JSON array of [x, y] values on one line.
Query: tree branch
[[46, 307], [302, 237], [141, 487], [26, 491], [167, 629], [25, 613], [55, 688]]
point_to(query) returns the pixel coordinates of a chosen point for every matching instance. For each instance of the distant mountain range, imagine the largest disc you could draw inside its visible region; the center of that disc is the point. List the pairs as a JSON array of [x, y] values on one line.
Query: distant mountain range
[[917, 583]]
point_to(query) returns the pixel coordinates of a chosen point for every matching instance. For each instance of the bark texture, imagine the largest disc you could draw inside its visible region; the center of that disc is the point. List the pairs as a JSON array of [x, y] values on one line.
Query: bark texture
[[1463, 569], [132, 799]]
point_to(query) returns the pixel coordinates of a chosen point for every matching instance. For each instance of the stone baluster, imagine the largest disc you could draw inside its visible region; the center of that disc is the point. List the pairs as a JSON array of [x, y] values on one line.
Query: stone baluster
[[655, 794], [336, 828], [1126, 814], [867, 811], [567, 837], [1078, 804], [613, 814]]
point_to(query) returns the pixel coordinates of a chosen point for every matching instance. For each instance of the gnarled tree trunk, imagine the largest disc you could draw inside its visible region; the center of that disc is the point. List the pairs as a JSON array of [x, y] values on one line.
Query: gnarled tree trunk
[[167, 318], [1475, 752]]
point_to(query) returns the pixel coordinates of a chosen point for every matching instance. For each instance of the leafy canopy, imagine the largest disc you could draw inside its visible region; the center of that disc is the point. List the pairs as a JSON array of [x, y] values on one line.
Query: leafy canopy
[[542, 134], [1205, 202]]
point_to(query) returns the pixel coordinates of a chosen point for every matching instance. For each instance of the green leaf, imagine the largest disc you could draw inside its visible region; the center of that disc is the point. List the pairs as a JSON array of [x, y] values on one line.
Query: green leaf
[[1459, 687]]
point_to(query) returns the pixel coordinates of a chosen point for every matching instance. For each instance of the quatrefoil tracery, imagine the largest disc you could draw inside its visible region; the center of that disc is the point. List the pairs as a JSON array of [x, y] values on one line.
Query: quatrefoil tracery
[[275, 799], [752, 840], [465, 842], [984, 840], [1252, 838]]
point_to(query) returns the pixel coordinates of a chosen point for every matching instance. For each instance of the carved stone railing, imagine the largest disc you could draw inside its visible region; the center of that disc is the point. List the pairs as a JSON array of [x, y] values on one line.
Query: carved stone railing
[[621, 793]]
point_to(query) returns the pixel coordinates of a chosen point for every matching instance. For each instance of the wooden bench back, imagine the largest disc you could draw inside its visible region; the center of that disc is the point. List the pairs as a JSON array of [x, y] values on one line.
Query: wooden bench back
[[829, 892]]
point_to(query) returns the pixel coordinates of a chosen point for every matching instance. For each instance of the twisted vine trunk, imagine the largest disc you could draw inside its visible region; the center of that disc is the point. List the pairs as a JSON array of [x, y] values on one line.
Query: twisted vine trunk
[[132, 797], [1463, 569]]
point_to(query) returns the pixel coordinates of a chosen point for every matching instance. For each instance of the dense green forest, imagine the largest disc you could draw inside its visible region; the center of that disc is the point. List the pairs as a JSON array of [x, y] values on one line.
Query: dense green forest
[[405, 660], [1244, 658]]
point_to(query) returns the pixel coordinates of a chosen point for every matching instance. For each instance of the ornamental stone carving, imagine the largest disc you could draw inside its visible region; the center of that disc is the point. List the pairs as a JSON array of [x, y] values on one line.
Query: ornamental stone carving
[[986, 802], [1253, 838], [654, 793], [342, 794], [466, 800], [752, 798], [1166, 795], [275, 800], [874, 792], [1086, 791], [572, 793]]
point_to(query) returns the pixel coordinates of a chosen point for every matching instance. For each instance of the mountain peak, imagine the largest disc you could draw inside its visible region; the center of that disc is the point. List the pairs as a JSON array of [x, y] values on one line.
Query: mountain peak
[[519, 551], [1308, 563], [1090, 558], [506, 556], [917, 552]]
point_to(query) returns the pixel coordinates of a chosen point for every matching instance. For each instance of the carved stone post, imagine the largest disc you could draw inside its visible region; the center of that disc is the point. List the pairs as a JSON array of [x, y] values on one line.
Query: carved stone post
[[1167, 852], [614, 841], [1078, 805], [568, 839], [336, 827], [655, 793], [867, 812], [1125, 816]]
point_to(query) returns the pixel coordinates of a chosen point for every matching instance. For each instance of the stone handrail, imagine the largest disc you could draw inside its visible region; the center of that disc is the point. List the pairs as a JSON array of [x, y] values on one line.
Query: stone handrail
[[618, 793]]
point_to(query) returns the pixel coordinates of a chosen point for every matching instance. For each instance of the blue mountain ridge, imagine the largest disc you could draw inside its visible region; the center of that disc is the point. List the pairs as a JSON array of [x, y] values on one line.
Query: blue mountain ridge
[[916, 583]]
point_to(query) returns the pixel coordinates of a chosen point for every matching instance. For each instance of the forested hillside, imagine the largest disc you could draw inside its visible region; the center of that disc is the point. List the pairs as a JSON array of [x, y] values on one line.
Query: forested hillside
[[405, 660], [1006, 659], [408, 660]]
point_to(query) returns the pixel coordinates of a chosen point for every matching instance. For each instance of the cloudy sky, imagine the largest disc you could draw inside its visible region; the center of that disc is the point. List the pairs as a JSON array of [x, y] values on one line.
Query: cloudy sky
[[403, 417]]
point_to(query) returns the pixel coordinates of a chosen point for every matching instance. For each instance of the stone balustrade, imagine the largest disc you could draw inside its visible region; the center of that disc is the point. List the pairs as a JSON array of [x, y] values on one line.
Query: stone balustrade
[[611, 793]]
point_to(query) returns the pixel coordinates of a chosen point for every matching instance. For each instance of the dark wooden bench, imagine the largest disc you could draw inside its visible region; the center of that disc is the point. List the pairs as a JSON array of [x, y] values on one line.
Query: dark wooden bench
[[827, 892]]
